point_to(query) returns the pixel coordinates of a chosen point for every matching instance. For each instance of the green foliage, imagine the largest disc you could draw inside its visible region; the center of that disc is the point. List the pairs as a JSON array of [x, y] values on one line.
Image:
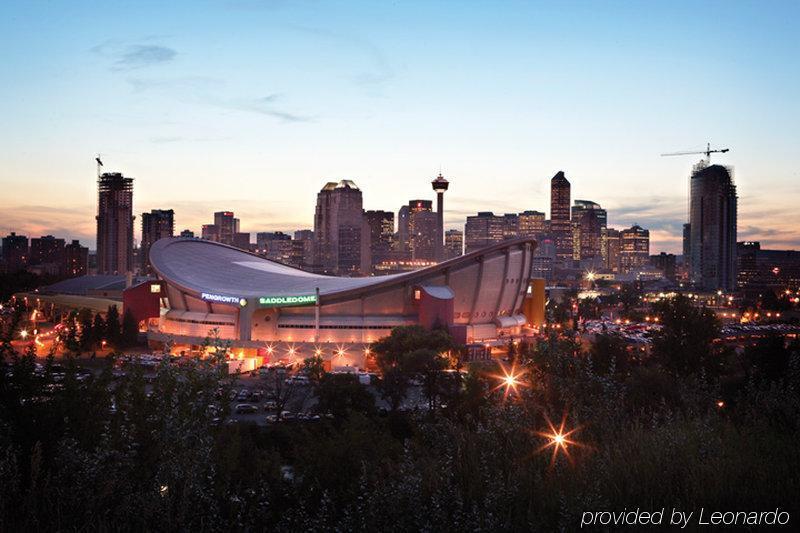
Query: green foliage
[[100, 453], [410, 351], [113, 328], [684, 344], [130, 330], [342, 394]]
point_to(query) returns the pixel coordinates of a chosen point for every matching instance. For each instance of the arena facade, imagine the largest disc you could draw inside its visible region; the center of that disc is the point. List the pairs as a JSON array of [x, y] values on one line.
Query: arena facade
[[270, 311]]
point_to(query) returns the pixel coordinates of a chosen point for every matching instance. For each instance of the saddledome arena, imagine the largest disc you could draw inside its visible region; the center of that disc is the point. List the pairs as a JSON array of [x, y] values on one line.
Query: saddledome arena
[[269, 311]]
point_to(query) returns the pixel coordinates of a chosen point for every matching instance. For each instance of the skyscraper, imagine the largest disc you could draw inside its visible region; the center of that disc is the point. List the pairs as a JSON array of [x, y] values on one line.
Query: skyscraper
[[531, 224], [157, 224], [634, 248], [588, 222], [401, 243], [440, 185], [380, 229], [510, 226], [422, 230], [306, 236], [225, 229], [482, 230], [612, 245], [560, 227], [114, 224], [453, 243], [712, 219], [337, 228]]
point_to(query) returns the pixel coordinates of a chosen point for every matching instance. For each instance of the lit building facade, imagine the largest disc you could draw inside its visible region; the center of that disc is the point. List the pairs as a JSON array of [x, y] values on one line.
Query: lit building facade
[[760, 270], [276, 311], [380, 233], [453, 243], [531, 224], [588, 222], [634, 248], [482, 230], [560, 224]]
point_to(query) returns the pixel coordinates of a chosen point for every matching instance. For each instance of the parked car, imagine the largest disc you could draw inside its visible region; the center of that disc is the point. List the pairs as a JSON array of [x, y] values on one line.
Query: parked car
[[246, 409], [270, 405], [297, 380]]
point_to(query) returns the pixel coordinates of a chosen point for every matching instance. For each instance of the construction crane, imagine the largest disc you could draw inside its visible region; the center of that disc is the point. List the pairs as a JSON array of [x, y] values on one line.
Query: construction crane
[[708, 151]]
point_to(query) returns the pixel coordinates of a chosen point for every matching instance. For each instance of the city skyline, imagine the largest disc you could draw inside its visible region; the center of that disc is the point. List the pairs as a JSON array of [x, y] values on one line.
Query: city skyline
[[499, 100]]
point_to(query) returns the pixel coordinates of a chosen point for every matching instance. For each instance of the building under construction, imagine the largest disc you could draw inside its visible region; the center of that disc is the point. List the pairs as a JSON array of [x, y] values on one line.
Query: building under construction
[[114, 223]]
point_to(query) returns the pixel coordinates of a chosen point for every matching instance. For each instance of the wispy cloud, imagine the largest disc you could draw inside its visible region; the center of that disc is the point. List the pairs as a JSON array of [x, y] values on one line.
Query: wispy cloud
[[266, 105], [133, 56], [138, 56]]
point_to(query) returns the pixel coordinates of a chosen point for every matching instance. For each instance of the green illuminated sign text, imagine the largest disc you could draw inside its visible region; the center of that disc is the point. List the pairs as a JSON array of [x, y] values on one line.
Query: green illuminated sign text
[[287, 301]]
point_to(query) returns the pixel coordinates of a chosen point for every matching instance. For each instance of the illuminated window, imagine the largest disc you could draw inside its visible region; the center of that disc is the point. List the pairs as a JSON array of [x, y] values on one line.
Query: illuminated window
[[155, 289], [417, 294]]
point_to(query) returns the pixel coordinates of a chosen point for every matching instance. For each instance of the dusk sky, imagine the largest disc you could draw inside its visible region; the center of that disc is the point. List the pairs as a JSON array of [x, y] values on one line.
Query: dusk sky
[[252, 106]]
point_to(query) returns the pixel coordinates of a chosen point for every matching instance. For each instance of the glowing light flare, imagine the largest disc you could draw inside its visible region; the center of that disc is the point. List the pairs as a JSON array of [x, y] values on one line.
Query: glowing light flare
[[23, 334], [510, 380], [559, 439]]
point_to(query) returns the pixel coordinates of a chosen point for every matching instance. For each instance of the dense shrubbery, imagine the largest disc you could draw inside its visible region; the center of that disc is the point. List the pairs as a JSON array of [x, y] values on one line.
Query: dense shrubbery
[[650, 429]]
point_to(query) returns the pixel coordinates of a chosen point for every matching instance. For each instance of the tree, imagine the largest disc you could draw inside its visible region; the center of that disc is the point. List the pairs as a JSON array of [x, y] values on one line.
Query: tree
[[130, 330], [98, 330], [87, 329], [340, 394], [407, 351], [314, 368], [684, 343], [610, 351], [72, 340], [113, 328]]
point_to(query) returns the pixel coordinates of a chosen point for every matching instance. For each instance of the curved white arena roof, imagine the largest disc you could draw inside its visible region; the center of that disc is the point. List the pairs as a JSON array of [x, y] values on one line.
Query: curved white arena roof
[[199, 266]]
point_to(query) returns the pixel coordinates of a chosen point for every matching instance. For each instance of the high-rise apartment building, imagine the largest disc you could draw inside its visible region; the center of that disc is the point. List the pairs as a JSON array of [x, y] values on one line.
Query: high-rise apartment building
[[114, 224], [712, 219], [634, 248], [337, 229], [157, 224], [560, 226], [15, 252], [47, 252], [76, 258], [482, 230], [453, 243]]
